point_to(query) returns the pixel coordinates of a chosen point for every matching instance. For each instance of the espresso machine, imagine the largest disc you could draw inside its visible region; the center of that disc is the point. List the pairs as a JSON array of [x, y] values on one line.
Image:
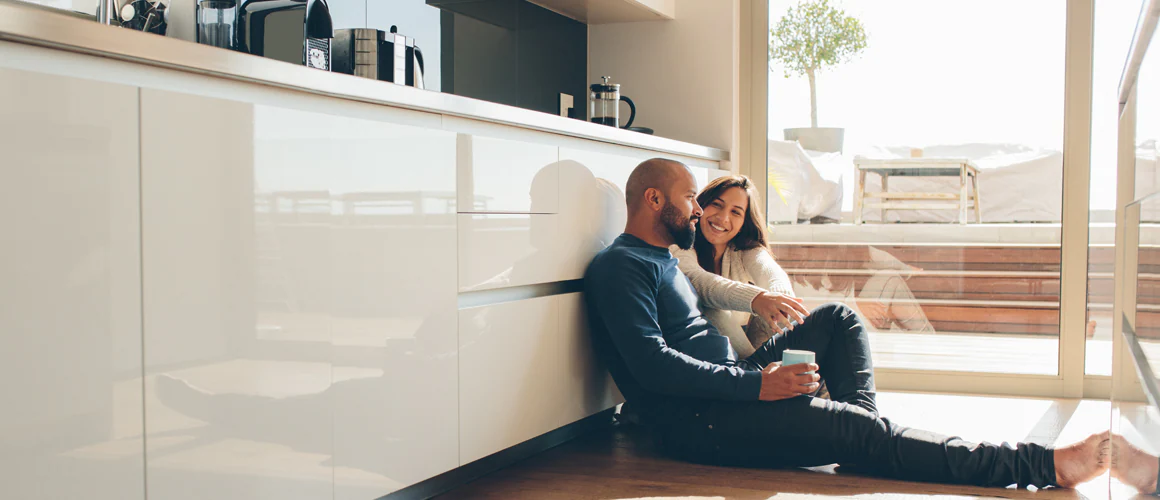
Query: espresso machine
[[295, 31]]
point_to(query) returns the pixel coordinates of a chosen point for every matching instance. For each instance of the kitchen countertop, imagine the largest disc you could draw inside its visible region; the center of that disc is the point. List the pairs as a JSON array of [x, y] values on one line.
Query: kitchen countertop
[[29, 24]]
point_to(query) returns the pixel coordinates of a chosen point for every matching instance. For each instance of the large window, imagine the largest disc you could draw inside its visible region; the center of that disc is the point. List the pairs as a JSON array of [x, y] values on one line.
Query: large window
[[936, 209]]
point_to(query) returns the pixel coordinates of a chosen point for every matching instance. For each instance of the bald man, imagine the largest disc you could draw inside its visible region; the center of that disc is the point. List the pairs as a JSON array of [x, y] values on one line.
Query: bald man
[[706, 406]]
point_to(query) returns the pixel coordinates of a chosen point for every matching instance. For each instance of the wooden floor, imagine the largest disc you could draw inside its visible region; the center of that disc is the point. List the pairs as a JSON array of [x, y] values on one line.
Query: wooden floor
[[620, 463]]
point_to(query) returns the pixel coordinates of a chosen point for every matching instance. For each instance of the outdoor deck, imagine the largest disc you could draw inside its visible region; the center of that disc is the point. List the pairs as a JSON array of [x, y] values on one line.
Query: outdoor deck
[[973, 298]]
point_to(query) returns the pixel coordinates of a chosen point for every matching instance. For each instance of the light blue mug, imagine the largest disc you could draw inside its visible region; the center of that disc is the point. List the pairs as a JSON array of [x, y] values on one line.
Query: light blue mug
[[795, 357]]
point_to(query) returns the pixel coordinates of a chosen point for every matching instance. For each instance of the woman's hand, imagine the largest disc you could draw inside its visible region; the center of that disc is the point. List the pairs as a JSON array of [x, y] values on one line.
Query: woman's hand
[[779, 310], [783, 382], [877, 313]]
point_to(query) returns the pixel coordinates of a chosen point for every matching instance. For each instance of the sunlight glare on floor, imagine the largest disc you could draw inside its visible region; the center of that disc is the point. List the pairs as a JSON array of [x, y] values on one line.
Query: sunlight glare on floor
[[673, 498]]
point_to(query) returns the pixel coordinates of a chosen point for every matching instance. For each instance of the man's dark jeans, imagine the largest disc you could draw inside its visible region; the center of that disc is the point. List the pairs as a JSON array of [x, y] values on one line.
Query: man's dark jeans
[[806, 431]]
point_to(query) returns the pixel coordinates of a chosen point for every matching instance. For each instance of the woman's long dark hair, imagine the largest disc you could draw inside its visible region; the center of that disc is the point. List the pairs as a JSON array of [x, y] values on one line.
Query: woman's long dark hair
[[752, 233]]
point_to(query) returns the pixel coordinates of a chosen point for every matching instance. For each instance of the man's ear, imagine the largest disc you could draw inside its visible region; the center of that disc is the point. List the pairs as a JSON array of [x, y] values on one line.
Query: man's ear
[[654, 198]]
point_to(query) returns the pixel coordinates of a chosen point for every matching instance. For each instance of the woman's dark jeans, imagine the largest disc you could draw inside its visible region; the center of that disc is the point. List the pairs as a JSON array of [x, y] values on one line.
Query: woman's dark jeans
[[804, 431]]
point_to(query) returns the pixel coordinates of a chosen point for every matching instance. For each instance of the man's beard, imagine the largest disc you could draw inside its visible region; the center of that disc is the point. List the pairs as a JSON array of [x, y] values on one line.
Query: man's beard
[[682, 229]]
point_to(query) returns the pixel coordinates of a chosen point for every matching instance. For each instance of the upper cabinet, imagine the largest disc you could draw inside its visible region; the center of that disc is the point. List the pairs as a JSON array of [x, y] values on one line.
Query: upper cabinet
[[70, 288]]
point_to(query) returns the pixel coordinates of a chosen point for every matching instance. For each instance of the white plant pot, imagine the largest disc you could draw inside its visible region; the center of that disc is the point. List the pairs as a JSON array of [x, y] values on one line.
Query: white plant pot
[[824, 139]]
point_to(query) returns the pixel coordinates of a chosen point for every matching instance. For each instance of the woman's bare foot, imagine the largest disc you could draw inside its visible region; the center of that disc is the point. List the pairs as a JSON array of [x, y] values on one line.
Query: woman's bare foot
[[1081, 462], [1133, 466]]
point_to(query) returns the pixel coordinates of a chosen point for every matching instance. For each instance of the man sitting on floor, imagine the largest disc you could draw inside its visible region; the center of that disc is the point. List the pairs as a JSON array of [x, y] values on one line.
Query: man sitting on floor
[[684, 379]]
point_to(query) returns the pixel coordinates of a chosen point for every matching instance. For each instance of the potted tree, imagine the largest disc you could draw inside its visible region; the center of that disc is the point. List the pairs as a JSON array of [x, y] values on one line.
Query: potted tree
[[811, 37]]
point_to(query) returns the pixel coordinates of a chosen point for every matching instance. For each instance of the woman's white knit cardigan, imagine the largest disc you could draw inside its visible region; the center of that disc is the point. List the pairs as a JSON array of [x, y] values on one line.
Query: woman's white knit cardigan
[[726, 300]]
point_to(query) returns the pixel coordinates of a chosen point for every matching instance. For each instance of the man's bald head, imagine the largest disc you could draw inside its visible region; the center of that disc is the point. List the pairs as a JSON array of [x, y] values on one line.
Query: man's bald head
[[655, 173]]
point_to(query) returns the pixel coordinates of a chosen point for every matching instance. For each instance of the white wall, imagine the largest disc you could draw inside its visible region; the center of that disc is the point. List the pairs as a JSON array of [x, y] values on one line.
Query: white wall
[[681, 73]]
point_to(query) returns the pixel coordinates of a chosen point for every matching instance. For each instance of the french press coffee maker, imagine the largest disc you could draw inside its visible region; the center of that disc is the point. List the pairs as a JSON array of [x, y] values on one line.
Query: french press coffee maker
[[604, 104]]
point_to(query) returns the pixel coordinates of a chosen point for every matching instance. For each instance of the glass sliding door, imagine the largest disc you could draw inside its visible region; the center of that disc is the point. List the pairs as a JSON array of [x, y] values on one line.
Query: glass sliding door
[[915, 173]]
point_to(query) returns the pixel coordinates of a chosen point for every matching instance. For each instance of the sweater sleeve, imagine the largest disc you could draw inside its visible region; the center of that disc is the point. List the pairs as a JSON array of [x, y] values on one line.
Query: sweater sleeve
[[624, 293], [765, 271], [714, 290]]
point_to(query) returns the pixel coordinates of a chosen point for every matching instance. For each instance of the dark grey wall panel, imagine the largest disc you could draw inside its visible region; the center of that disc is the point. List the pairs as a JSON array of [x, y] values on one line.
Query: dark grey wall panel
[[513, 52]]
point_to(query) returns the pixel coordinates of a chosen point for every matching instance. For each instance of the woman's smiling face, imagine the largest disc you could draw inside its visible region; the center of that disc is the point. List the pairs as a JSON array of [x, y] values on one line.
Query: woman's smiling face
[[723, 217]]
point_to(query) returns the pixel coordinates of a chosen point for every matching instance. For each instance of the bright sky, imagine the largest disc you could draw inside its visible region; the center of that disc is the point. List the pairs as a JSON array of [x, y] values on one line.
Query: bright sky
[[937, 72]]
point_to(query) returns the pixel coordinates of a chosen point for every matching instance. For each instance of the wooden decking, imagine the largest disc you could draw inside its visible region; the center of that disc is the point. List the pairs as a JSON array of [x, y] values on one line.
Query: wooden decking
[[970, 288]]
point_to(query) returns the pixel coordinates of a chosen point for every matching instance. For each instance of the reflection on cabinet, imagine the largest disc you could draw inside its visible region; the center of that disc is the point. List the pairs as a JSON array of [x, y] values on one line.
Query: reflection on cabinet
[[232, 410], [509, 358], [506, 250], [393, 302], [296, 272], [526, 368], [507, 176], [592, 208], [586, 379], [70, 299]]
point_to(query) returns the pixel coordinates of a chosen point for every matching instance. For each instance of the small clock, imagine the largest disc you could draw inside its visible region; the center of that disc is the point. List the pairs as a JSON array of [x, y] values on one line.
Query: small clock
[[316, 58]]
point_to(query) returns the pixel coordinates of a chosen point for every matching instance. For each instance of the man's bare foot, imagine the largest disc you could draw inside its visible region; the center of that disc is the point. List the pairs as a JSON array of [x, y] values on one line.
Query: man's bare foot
[[1081, 462], [1133, 466]]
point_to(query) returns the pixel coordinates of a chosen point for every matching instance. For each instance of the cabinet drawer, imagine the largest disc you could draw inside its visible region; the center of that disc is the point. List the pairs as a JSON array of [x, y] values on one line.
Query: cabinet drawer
[[506, 176], [592, 214], [505, 250], [508, 375], [586, 380], [526, 368]]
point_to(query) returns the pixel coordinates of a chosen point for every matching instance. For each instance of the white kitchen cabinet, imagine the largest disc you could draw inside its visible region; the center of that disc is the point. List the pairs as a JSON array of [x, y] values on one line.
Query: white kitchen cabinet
[[585, 382], [526, 368], [237, 340], [505, 170], [70, 317], [592, 203], [509, 368], [608, 164], [506, 250], [592, 208], [300, 276], [393, 326]]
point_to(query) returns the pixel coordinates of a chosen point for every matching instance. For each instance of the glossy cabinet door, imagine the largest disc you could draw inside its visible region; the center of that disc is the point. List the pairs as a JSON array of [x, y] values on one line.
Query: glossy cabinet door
[[509, 369], [70, 317], [506, 250], [300, 278], [237, 334], [584, 379], [505, 169], [526, 368], [393, 302], [593, 206]]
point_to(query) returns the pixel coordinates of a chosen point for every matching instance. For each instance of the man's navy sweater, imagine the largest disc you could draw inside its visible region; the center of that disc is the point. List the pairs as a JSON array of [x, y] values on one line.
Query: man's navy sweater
[[645, 323]]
